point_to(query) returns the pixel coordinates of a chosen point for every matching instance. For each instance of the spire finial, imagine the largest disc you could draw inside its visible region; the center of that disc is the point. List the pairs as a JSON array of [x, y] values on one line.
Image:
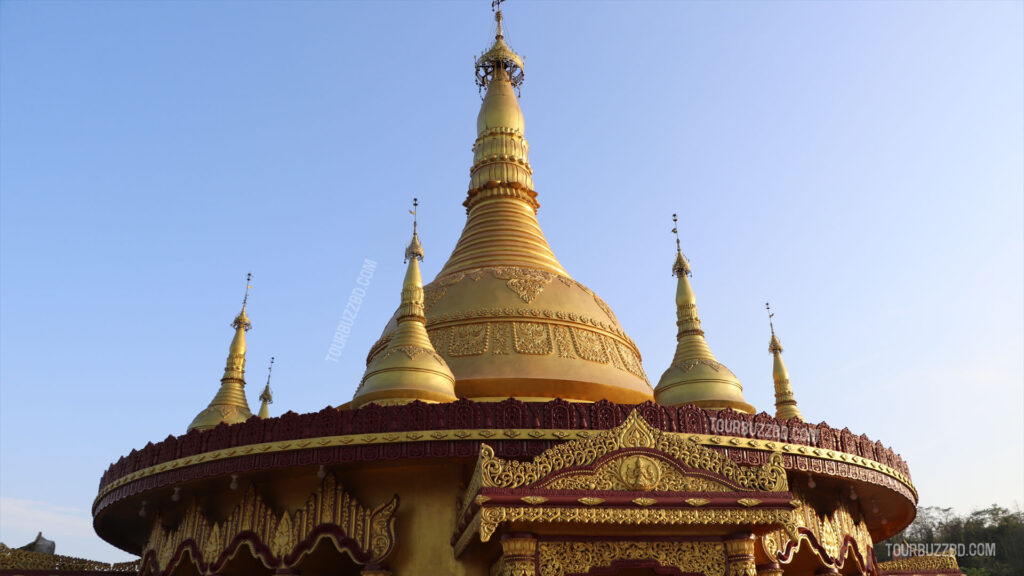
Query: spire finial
[[675, 230], [496, 8], [248, 286], [415, 249], [415, 208], [681, 266], [499, 60], [267, 396], [242, 320], [774, 346], [266, 391]]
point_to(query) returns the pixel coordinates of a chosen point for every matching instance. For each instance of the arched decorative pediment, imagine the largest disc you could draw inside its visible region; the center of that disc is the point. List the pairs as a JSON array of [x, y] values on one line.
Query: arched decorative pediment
[[277, 540], [833, 538], [640, 446], [633, 474]]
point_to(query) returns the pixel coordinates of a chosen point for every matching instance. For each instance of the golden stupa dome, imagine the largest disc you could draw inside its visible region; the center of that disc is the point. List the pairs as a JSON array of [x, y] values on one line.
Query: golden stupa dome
[[507, 318]]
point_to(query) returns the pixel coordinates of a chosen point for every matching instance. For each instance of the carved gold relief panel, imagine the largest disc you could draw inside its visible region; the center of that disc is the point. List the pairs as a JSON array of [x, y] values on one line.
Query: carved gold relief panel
[[469, 339], [825, 534], [573, 558], [532, 338], [635, 432], [277, 539]]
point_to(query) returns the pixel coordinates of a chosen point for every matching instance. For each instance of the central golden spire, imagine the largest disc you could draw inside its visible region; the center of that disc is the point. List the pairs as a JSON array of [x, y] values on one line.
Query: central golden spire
[[503, 312], [502, 232]]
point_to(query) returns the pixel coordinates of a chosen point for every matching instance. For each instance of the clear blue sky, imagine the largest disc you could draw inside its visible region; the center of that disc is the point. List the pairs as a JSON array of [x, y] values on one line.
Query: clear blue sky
[[857, 164]]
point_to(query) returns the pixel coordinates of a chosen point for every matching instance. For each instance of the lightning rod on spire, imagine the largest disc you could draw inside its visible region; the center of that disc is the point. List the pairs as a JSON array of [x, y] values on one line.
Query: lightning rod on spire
[[248, 286], [415, 209], [675, 230], [267, 395], [415, 249]]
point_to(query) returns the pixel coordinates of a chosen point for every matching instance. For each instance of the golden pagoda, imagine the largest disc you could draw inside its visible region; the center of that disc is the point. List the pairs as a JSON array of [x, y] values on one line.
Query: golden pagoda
[[785, 401], [229, 406], [267, 396], [695, 375], [408, 368], [504, 426]]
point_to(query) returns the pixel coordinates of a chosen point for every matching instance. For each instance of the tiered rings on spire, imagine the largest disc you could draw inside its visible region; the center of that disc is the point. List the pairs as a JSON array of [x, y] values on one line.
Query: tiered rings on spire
[[408, 368], [229, 406], [695, 375]]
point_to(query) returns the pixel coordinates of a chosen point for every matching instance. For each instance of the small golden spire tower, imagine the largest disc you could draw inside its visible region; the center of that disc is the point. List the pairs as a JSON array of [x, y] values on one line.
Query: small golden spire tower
[[695, 376], [408, 368], [785, 402], [267, 397], [229, 405]]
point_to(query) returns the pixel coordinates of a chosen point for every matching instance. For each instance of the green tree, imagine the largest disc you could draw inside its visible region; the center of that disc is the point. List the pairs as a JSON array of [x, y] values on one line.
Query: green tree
[[989, 542]]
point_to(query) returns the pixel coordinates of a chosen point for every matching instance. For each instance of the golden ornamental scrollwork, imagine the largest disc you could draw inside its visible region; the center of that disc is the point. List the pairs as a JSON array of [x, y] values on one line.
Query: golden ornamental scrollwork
[[527, 283], [411, 352], [540, 338], [644, 473], [635, 432], [532, 338], [940, 563], [278, 540], [827, 535], [487, 520], [565, 558], [518, 312], [469, 339]]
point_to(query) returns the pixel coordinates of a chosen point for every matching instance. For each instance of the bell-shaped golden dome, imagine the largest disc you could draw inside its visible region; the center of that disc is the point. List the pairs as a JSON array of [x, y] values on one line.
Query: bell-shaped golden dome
[[695, 375], [229, 405], [408, 368], [504, 314]]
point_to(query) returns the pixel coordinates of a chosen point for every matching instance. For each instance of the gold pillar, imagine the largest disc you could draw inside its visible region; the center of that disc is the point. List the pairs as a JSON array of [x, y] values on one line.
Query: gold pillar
[[770, 569], [518, 555], [739, 553]]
